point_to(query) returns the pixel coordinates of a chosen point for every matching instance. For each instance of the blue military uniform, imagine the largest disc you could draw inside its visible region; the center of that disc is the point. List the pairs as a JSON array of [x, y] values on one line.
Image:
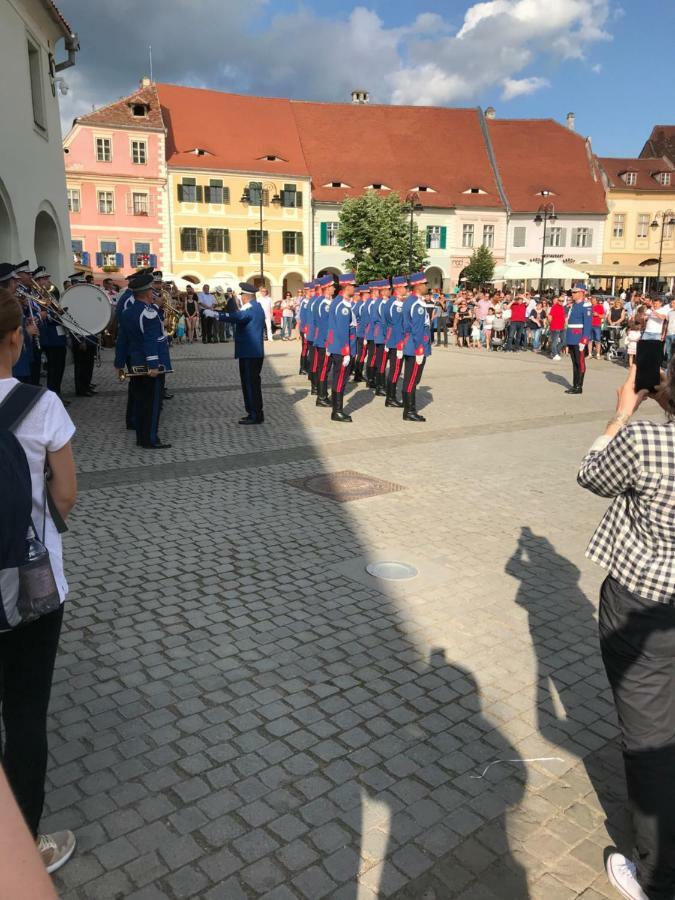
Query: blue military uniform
[[54, 343], [379, 330], [341, 322], [362, 323], [578, 335], [416, 344], [302, 329], [322, 359], [312, 361], [395, 339], [249, 349], [372, 327]]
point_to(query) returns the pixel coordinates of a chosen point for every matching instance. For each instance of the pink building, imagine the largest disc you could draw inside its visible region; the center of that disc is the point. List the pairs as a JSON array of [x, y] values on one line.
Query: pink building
[[116, 178]]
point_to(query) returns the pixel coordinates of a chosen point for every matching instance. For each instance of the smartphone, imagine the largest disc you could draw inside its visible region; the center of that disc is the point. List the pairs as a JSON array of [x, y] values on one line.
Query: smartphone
[[648, 359]]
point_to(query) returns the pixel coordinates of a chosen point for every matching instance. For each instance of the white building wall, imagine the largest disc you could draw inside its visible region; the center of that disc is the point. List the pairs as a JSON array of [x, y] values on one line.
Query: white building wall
[[32, 176], [534, 237]]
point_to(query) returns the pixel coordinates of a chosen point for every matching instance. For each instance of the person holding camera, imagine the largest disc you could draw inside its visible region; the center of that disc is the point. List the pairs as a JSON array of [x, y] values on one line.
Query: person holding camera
[[634, 464]]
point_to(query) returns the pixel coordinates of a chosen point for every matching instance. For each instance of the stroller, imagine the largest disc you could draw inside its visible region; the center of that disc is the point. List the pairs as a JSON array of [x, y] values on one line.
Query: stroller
[[498, 334], [612, 346]]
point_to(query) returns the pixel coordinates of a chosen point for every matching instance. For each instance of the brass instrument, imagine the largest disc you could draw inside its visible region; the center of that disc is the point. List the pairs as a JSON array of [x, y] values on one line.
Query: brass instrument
[[26, 295], [171, 314], [140, 372], [46, 300]]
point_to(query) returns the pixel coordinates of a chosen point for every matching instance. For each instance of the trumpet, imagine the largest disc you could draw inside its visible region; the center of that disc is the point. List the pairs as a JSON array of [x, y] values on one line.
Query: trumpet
[[46, 300], [140, 372]]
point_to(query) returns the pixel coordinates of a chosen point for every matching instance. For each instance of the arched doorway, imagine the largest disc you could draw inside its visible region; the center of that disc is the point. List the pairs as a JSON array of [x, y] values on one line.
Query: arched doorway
[[47, 243], [225, 280], [293, 282], [435, 278], [328, 270], [260, 282], [193, 279], [8, 234]]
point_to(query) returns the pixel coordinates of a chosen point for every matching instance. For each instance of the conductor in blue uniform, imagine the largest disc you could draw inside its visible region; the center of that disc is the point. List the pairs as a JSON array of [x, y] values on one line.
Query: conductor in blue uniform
[[578, 336], [249, 328]]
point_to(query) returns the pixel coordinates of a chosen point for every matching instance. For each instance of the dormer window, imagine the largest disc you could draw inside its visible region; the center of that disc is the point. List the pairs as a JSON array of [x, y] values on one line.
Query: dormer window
[[272, 157], [336, 184], [199, 151], [663, 178], [474, 190], [424, 189], [630, 178], [377, 187], [139, 110]]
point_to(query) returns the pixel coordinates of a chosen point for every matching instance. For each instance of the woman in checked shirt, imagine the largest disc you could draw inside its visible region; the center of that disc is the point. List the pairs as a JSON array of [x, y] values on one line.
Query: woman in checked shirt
[[635, 465]]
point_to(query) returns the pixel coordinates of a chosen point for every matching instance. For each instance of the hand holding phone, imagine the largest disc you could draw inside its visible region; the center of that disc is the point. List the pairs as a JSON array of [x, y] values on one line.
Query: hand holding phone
[[648, 359]]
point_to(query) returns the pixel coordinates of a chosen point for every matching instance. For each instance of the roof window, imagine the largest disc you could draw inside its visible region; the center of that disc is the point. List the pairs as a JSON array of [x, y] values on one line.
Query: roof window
[[139, 110], [272, 157], [336, 184], [377, 187], [424, 189], [630, 178], [474, 190], [199, 151], [663, 178]]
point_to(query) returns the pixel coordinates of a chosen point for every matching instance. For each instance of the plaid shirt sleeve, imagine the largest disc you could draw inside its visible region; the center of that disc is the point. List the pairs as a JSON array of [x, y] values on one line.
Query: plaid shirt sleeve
[[614, 470]]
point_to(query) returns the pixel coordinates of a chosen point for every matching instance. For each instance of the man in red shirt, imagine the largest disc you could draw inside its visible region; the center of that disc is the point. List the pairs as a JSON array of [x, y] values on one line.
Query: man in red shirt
[[517, 328], [597, 315], [556, 319]]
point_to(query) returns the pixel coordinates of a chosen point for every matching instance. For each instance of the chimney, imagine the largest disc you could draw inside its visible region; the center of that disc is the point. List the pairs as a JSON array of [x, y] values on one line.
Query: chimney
[[360, 97], [490, 113], [145, 82], [570, 121]]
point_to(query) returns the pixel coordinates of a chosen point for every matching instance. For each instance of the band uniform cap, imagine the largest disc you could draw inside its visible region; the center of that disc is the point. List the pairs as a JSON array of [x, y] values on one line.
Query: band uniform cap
[[579, 287], [76, 276], [141, 282], [347, 278], [383, 283], [324, 281], [247, 288], [147, 270], [417, 278], [7, 271], [307, 285], [363, 289], [40, 272], [400, 280], [157, 275], [22, 266]]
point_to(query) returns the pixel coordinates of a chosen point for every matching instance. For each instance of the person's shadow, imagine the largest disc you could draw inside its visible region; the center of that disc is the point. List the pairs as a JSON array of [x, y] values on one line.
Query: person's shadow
[[555, 378], [569, 697]]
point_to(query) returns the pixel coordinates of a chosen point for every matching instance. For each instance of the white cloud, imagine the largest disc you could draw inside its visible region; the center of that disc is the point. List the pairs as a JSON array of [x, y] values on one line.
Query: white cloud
[[518, 87]]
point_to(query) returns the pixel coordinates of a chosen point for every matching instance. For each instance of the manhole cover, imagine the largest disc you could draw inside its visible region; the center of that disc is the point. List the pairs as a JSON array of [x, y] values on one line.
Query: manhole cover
[[392, 571], [346, 485]]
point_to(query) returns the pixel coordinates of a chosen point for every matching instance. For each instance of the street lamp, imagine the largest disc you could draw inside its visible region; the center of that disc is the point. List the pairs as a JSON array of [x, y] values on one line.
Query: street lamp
[[545, 213], [412, 198], [248, 197], [670, 216]]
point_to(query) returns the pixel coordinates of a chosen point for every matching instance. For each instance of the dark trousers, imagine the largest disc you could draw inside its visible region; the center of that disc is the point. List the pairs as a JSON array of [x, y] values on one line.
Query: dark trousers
[[84, 356], [516, 333], [208, 329], [322, 364], [251, 387], [370, 361], [637, 640], [380, 360], [148, 405], [27, 657], [412, 373], [395, 368], [36, 367], [578, 357], [56, 366], [340, 375], [131, 402], [442, 328]]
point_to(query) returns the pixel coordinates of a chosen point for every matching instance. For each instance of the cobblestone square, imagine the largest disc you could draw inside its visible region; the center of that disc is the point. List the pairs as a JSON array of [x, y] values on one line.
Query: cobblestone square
[[239, 711]]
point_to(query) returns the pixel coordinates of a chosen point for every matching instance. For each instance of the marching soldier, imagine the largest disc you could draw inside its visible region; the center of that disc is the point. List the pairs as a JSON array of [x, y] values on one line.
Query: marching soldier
[[338, 346], [371, 328], [302, 330], [395, 339], [578, 335], [52, 337], [380, 337], [310, 313], [321, 358], [417, 344], [362, 321]]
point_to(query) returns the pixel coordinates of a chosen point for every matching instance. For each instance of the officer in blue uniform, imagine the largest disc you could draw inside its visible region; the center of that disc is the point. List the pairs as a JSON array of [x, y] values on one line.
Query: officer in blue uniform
[[52, 337], [395, 338], [302, 326], [249, 330], [21, 368], [323, 359], [578, 335], [416, 345], [380, 337], [125, 299], [31, 312], [312, 360], [85, 348], [359, 348], [372, 327], [338, 346], [144, 345]]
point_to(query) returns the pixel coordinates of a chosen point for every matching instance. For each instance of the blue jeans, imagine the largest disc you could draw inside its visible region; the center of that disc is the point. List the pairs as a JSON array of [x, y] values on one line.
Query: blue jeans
[[556, 342], [286, 326], [535, 334], [670, 342], [516, 330]]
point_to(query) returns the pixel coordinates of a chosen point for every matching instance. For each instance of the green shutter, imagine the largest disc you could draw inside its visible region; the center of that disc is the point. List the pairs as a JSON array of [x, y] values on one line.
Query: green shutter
[[180, 193], [227, 240], [298, 199], [298, 243], [428, 240], [324, 234], [444, 236], [200, 194]]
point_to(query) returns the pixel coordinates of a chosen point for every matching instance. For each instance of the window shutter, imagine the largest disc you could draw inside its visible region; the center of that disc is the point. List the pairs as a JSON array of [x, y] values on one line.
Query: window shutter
[[298, 199], [180, 193], [153, 260], [99, 259], [133, 260], [298, 243], [428, 238], [266, 242], [519, 232], [444, 236], [207, 195], [226, 240], [589, 234], [226, 195], [200, 194], [265, 197], [563, 237], [324, 234], [85, 258], [119, 259]]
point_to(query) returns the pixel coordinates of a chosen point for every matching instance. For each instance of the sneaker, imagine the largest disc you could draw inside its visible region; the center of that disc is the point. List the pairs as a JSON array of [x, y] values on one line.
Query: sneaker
[[621, 874], [56, 849], [556, 357]]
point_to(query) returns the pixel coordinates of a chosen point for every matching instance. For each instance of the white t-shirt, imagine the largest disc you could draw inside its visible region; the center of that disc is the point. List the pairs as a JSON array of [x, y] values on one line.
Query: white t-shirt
[[266, 303], [46, 427], [655, 319], [671, 321], [210, 301]]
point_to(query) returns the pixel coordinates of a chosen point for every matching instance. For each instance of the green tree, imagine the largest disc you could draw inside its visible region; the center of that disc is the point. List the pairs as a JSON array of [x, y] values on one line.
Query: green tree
[[481, 266], [375, 232]]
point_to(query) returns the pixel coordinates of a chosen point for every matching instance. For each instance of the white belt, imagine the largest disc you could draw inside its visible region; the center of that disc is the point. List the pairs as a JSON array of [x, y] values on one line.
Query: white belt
[[576, 327]]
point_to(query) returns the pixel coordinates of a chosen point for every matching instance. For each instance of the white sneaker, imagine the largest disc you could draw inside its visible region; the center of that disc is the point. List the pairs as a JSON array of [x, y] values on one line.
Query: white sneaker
[[621, 874], [555, 358], [56, 849]]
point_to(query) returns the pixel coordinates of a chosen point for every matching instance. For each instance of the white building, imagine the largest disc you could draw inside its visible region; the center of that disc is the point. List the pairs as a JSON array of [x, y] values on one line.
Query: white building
[[574, 239], [36, 44]]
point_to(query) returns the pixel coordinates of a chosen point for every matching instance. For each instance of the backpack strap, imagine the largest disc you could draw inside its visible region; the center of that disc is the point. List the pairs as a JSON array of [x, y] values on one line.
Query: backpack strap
[[18, 403]]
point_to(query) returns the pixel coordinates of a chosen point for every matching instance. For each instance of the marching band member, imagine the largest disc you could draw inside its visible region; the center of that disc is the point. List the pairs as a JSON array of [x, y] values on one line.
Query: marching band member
[[249, 349], [417, 344], [395, 338], [31, 310], [52, 337], [84, 349], [21, 368], [338, 343], [578, 335]]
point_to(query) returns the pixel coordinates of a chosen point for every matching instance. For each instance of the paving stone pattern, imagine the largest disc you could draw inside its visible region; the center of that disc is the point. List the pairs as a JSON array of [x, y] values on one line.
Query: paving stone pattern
[[235, 717]]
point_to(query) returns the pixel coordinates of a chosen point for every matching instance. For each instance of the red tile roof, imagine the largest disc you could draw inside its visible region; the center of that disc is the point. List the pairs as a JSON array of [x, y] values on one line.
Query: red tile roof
[[119, 114], [645, 168], [235, 130], [57, 16], [540, 154], [661, 142]]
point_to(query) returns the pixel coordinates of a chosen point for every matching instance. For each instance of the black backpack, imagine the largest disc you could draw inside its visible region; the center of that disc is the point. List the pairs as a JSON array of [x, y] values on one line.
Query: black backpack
[[17, 491]]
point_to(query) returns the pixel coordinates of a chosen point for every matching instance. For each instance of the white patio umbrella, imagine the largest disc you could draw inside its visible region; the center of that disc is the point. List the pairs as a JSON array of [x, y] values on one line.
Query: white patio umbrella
[[555, 269]]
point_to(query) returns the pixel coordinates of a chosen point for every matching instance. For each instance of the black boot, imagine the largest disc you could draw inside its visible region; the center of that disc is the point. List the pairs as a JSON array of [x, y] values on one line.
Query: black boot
[[322, 397], [391, 396], [379, 383], [314, 379], [409, 414], [358, 373], [337, 415], [370, 378]]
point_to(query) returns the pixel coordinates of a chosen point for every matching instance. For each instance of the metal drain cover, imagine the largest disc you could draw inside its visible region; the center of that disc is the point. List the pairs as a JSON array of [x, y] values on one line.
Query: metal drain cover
[[392, 571]]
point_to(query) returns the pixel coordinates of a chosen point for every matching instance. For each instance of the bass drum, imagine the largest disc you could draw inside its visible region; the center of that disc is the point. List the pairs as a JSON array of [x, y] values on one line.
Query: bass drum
[[87, 309]]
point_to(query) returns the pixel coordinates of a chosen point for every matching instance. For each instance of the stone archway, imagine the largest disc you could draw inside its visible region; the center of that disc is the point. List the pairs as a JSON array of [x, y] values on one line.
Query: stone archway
[[435, 278], [329, 270], [260, 282], [293, 282], [47, 244], [8, 233]]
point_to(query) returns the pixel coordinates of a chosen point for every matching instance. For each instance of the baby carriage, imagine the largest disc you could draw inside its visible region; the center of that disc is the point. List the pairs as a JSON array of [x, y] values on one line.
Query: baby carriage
[[498, 334], [612, 346]]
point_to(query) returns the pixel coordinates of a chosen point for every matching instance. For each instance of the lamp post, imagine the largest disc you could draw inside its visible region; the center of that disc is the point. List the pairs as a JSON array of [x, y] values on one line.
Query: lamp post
[[670, 216], [545, 213], [412, 198], [261, 187]]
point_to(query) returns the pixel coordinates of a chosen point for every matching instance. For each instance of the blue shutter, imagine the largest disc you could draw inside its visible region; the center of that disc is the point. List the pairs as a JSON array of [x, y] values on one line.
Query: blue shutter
[[119, 259], [85, 258], [99, 259], [153, 260], [133, 260], [444, 236]]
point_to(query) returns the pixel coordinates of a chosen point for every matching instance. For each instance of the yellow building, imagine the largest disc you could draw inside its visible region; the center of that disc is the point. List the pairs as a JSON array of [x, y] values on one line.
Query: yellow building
[[641, 202], [214, 224]]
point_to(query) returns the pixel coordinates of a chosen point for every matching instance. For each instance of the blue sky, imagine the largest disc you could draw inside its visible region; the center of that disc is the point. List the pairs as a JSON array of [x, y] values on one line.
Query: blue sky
[[608, 61]]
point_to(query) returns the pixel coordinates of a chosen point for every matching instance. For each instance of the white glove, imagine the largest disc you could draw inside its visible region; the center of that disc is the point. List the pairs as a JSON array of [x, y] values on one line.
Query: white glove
[[346, 360], [399, 354], [419, 358]]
